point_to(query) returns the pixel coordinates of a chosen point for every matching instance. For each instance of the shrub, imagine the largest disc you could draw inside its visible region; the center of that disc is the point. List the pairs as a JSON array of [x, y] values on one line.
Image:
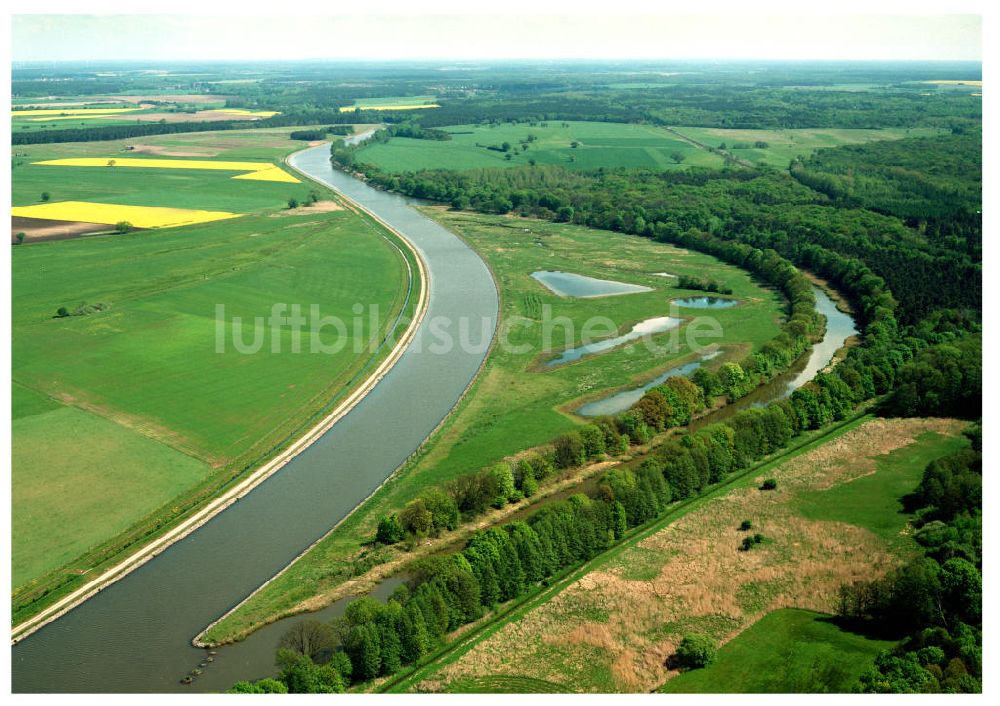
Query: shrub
[[694, 652], [769, 484], [389, 530], [746, 525]]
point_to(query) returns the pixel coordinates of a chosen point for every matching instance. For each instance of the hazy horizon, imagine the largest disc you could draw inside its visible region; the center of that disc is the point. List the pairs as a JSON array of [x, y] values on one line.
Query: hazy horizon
[[497, 37]]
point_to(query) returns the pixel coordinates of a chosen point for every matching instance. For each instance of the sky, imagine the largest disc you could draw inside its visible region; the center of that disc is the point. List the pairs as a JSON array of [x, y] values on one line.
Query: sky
[[568, 35]]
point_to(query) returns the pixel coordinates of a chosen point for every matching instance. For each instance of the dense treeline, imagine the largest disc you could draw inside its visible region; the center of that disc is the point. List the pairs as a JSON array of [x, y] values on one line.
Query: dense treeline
[[944, 380], [935, 599], [933, 184], [766, 210]]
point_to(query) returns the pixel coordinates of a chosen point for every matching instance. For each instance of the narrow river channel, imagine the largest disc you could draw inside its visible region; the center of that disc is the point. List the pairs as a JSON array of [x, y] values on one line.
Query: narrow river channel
[[135, 635]]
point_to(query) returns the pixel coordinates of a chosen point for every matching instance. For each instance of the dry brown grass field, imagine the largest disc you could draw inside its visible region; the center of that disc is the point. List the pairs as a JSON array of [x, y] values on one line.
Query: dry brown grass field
[[614, 628]]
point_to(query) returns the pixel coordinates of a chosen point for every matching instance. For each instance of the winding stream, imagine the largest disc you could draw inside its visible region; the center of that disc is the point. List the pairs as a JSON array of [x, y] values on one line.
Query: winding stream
[[135, 635]]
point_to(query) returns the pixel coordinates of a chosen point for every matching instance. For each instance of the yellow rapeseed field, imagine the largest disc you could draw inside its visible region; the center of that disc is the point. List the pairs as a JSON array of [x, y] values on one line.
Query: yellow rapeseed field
[[71, 112], [270, 174], [111, 213], [955, 83], [70, 117], [351, 108], [261, 171]]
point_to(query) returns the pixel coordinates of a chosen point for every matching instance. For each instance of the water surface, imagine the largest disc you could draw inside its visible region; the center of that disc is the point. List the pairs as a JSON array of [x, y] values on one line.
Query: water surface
[[705, 302], [567, 284], [620, 401], [648, 327]]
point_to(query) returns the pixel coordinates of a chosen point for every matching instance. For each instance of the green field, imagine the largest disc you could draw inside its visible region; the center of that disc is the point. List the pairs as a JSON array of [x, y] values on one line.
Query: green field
[[132, 412], [394, 100], [514, 404], [600, 145], [788, 651], [61, 505], [786, 145], [875, 501]]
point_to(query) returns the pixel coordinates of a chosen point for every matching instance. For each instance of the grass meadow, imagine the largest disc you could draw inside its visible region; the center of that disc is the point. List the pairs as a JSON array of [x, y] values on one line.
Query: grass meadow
[[599, 145], [788, 651]]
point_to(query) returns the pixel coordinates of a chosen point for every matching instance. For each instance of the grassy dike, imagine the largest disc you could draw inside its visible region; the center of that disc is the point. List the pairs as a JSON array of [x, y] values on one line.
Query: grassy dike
[[516, 402], [516, 609], [299, 412]]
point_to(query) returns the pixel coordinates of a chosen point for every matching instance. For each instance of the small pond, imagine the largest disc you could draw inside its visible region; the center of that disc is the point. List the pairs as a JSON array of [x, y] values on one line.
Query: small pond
[[567, 284], [620, 401], [705, 302], [657, 324]]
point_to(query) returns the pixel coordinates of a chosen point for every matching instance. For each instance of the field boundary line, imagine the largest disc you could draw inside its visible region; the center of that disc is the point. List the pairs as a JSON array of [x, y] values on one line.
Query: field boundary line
[[234, 494]]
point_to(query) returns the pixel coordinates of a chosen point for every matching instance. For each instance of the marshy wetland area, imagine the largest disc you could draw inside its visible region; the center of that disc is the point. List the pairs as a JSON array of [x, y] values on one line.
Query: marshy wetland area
[[496, 377]]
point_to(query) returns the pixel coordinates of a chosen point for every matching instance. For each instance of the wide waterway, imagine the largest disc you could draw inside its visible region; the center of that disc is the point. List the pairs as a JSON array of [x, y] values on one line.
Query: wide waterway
[[135, 635]]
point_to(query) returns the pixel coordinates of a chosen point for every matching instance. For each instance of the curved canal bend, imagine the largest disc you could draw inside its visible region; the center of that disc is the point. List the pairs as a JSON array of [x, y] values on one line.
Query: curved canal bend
[[135, 635]]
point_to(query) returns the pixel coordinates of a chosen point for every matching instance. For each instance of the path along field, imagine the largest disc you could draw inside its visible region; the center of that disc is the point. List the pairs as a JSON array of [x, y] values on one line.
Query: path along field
[[782, 146], [516, 404], [834, 518], [129, 412]]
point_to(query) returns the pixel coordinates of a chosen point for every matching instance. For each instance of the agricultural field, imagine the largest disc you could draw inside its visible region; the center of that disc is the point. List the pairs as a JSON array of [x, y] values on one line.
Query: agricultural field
[[123, 400], [392, 103], [228, 174], [84, 113], [517, 403], [785, 145], [597, 145], [788, 651], [615, 623]]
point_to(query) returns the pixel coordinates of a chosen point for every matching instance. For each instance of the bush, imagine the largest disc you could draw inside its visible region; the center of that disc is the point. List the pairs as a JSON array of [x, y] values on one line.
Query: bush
[[390, 530], [123, 227], [769, 484], [751, 542], [746, 525], [694, 652]]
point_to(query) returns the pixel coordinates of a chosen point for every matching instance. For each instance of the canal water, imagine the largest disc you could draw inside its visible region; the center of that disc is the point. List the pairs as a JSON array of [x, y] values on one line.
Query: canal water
[[135, 635]]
